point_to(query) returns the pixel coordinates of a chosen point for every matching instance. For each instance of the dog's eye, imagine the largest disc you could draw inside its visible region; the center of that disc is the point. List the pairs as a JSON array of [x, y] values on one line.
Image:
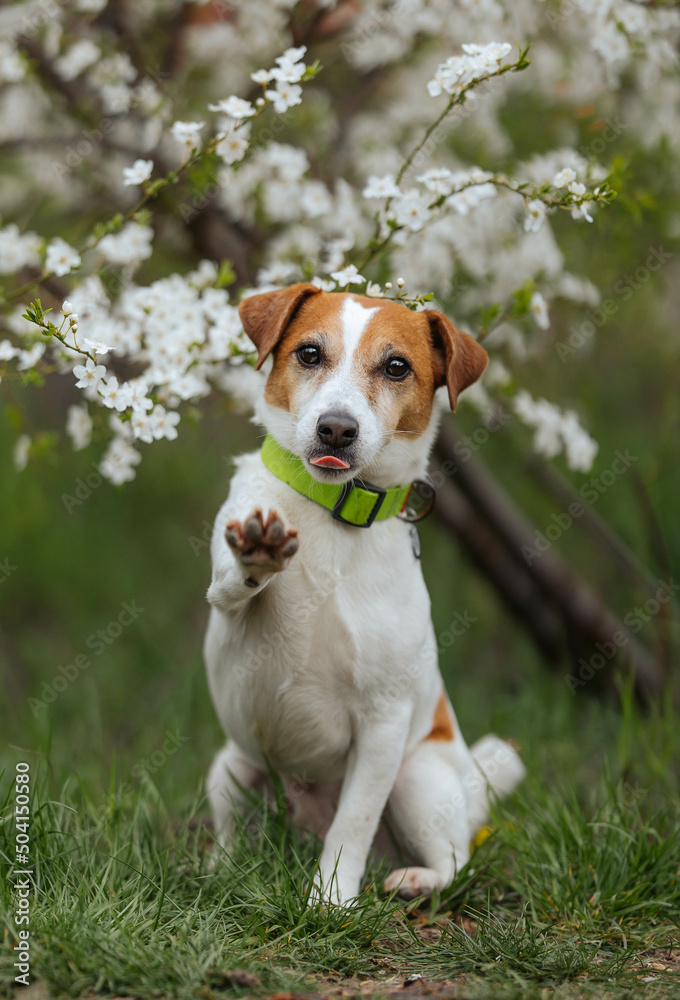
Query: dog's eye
[[308, 355], [397, 368]]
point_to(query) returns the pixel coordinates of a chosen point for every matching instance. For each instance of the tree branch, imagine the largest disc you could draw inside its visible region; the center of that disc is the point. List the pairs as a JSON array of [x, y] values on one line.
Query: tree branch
[[582, 609]]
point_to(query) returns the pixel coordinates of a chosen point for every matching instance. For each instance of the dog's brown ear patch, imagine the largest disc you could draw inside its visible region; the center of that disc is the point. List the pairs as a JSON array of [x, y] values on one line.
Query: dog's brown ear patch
[[266, 316], [463, 359]]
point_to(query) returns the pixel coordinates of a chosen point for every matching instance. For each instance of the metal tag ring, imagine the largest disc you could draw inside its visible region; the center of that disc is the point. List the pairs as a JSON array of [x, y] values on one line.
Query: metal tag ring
[[427, 493]]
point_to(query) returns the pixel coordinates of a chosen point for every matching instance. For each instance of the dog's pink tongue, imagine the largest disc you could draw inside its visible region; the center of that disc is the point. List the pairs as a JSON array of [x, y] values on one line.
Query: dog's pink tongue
[[329, 462]]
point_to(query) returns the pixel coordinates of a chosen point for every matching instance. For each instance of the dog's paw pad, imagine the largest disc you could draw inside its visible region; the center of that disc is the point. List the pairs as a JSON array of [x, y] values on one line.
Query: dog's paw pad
[[412, 882], [264, 543]]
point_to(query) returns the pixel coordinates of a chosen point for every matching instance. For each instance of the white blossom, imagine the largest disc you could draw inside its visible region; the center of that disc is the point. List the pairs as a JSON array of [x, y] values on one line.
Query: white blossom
[[138, 173], [411, 210], [21, 450], [293, 55], [581, 212], [129, 246], [114, 395], [81, 55], [164, 423], [289, 67], [535, 216], [476, 63], [323, 284], [348, 276], [61, 258], [381, 187], [137, 395], [96, 344], [120, 459], [187, 134], [288, 73], [564, 177], [289, 161], [8, 350], [232, 107], [28, 359], [89, 374], [545, 418], [611, 43], [178, 332], [12, 66], [580, 448], [286, 96], [555, 431], [261, 76], [439, 180], [280, 272], [315, 199], [79, 426], [18, 249], [539, 308], [234, 141]]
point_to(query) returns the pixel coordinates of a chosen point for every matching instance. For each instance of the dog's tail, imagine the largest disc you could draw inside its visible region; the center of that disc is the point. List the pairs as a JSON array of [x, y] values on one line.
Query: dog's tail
[[500, 770]]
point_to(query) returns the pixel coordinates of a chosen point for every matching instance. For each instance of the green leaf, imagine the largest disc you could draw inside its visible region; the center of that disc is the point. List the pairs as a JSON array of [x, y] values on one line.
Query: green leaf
[[34, 313], [312, 70], [14, 417], [143, 217], [226, 275], [522, 298], [489, 314], [43, 444]]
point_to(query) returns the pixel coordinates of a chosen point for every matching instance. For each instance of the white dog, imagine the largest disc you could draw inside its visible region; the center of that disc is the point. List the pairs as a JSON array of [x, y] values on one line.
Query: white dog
[[321, 655]]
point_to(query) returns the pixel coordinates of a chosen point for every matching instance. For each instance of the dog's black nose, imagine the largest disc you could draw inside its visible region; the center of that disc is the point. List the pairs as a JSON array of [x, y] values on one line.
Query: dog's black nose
[[337, 430]]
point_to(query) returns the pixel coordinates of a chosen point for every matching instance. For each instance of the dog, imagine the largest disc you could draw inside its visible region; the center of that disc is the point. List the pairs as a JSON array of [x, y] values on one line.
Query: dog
[[320, 649]]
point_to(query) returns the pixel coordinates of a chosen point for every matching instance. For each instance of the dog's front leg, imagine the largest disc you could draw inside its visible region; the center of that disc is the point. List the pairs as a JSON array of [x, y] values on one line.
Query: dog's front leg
[[371, 771], [246, 555]]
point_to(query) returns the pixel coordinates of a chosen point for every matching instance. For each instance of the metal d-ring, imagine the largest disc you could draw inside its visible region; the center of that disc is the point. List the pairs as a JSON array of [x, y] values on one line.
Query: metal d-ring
[[426, 492]]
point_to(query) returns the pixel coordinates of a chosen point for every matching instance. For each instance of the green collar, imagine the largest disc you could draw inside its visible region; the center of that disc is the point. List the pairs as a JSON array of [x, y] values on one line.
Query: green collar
[[355, 502]]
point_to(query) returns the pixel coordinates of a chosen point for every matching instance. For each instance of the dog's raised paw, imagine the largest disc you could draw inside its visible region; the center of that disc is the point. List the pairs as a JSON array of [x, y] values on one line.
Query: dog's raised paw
[[263, 543], [412, 882]]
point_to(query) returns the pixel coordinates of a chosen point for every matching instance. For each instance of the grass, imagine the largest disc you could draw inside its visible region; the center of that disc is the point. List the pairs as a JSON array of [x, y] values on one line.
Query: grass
[[127, 901]]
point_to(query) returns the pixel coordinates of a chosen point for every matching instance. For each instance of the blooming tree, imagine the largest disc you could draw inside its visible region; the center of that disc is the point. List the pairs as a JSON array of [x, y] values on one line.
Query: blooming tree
[[134, 136]]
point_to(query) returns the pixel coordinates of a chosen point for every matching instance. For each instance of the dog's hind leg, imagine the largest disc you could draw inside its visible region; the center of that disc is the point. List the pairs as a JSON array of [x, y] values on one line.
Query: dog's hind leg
[[231, 775], [428, 805]]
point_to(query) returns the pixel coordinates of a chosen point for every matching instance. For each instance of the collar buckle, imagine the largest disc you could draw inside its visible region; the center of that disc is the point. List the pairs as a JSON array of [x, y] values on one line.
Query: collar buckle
[[336, 512]]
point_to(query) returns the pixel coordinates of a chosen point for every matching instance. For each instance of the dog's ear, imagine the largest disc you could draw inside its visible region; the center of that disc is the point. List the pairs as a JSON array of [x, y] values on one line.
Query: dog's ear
[[266, 316], [461, 360]]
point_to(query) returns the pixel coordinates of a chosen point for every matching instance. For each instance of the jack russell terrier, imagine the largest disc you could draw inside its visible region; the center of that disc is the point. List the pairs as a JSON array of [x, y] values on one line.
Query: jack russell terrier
[[320, 649]]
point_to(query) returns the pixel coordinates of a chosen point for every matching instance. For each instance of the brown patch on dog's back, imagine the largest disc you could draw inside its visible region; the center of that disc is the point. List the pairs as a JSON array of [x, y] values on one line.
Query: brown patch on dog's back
[[442, 724]]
